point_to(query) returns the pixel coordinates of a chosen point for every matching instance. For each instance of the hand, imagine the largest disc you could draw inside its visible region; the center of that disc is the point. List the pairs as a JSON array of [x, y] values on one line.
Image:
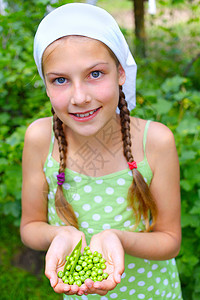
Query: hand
[[109, 245], [62, 245]]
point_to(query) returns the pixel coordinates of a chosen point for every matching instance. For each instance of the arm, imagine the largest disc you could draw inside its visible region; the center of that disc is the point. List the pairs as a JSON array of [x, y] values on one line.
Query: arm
[[164, 242], [36, 233]]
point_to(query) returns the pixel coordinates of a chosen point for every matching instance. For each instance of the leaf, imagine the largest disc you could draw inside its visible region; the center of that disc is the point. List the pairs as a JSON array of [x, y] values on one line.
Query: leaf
[[187, 220], [187, 155], [188, 125], [196, 208], [12, 208], [173, 84], [17, 137], [186, 185], [162, 106], [3, 164]]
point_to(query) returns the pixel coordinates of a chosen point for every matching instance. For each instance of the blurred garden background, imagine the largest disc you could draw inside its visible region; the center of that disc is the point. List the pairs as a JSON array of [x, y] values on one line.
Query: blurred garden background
[[167, 52]]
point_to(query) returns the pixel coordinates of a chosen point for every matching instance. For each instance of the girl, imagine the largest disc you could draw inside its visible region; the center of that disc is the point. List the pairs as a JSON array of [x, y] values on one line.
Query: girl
[[100, 174]]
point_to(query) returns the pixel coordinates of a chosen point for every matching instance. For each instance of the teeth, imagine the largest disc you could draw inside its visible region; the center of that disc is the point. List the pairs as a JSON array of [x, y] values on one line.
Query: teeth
[[85, 115]]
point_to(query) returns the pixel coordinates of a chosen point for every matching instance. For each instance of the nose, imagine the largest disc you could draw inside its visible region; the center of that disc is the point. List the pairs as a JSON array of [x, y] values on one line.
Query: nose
[[80, 94]]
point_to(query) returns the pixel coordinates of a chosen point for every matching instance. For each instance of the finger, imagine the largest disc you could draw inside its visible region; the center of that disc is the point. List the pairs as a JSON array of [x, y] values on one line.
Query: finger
[[83, 288], [118, 262], [89, 283], [62, 288], [50, 271], [118, 271], [105, 285]]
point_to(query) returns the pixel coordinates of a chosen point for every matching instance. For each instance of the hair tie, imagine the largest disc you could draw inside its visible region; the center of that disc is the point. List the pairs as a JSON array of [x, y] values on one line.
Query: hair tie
[[61, 178], [132, 165]]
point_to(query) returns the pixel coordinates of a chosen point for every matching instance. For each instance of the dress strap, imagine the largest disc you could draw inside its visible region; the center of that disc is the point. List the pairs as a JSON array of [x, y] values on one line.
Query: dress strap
[[145, 136], [52, 139]]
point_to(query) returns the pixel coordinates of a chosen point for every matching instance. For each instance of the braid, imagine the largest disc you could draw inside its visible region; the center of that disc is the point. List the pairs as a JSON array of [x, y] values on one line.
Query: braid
[[139, 196], [63, 207]]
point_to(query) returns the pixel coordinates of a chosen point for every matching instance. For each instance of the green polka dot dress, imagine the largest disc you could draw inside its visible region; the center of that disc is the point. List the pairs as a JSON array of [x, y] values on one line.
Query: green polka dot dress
[[99, 204]]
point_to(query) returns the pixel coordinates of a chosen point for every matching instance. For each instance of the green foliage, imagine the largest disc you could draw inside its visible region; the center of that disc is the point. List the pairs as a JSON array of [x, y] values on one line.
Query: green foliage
[[15, 282], [165, 93], [176, 103]]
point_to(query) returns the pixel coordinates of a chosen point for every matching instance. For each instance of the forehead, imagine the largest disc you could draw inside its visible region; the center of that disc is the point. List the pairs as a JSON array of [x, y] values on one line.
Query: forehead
[[79, 41]]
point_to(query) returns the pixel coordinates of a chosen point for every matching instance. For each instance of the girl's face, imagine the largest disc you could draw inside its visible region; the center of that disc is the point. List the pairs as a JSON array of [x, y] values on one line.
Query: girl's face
[[82, 82]]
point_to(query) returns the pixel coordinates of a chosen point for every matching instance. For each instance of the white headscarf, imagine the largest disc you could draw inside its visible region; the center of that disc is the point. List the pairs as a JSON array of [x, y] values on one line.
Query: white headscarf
[[93, 22]]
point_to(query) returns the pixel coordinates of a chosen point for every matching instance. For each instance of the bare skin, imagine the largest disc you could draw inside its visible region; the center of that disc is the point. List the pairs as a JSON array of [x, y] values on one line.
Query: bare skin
[[83, 90]]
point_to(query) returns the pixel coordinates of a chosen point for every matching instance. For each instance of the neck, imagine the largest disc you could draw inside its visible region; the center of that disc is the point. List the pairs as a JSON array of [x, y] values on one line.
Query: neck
[[95, 154], [109, 135]]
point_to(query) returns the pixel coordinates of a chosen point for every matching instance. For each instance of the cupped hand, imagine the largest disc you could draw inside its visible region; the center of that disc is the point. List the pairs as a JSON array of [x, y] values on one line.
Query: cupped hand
[[109, 245], [61, 246]]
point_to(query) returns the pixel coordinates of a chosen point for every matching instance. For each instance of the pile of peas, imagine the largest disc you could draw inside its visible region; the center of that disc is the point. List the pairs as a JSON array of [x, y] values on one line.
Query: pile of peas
[[80, 267]]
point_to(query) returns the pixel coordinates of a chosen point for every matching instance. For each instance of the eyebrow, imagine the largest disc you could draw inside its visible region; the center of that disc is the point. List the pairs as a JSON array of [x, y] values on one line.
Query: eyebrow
[[89, 68]]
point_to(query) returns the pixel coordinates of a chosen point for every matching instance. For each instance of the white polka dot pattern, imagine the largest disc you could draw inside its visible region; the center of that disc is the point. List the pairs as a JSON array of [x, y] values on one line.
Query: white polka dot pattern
[[100, 204]]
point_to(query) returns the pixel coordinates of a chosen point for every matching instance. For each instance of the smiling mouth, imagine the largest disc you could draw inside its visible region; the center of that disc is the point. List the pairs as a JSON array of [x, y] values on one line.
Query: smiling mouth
[[87, 114]]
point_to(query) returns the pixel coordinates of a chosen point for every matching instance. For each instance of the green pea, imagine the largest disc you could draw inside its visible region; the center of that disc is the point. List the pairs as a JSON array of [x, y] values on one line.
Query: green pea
[[99, 278], [60, 274], [95, 253], [67, 257], [76, 252], [105, 275], [102, 260], [96, 259], [75, 274], [98, 265], [99, 255], [68, 267], [81, 257], [86, 248], [78, 282], [66, 280], [88, 272], [90, 266], [84, 264], [78, 268], [94, 274], [81, 273], [85, 269], [100, 271], [82, 278], [71, 281], [89, 261], [103, 266], [76, 277], [67, 273], [71, 258], [80, 262], [89, 252]]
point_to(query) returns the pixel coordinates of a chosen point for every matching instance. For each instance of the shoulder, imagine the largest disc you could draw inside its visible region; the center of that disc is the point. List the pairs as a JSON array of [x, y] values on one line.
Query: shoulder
[[38, 135], [38, 130], [160, 146], [160, 136]]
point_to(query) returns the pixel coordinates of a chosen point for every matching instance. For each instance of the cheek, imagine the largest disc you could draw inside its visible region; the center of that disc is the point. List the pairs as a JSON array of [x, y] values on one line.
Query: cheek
[[58, 100], [107, 92]]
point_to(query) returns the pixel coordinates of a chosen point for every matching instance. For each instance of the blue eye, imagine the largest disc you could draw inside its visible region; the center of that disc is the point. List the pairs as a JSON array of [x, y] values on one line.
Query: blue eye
[[96, 74], [60, 80]]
